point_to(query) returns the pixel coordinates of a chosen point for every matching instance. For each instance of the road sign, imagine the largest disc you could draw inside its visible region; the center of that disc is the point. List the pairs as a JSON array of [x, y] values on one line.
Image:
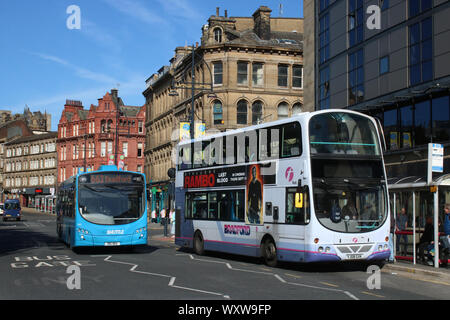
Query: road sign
[[435, 160]]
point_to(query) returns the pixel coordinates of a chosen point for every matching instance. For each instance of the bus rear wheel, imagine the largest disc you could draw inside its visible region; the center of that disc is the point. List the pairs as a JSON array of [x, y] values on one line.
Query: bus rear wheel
[[199, 247], [269, 253]]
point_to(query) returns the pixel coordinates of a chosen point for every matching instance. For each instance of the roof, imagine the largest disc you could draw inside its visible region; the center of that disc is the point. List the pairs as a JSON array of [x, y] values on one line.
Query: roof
[[292, 40], [83, 114], [36, 137], [417, 181], [130, 111]]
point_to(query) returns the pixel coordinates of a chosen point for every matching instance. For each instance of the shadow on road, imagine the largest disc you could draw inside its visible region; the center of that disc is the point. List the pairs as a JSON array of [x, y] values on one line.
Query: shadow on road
[[115, 250], [19, 239], [329, 267]]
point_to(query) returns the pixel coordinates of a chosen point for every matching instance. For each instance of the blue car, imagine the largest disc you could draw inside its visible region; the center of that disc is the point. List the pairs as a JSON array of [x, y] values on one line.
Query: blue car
[[12, 210]]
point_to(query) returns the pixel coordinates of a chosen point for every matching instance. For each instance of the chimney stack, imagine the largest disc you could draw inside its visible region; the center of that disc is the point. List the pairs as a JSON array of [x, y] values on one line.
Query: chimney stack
[[261, 19], [114, 94], [217, 11], [226, 13]]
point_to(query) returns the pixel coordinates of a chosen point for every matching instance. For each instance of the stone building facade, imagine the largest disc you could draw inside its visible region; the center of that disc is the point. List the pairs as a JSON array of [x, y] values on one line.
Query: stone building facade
[[36, 121], [9, 131], [87, 138], [30, 167], [249, 70]]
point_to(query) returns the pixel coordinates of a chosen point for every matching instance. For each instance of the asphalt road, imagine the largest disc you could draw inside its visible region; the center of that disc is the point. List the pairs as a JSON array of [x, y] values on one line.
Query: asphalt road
[[33, 265]]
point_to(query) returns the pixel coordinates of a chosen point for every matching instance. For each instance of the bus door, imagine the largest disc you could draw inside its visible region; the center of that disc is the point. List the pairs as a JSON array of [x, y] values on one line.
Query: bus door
[[296, 209], [184, 228]]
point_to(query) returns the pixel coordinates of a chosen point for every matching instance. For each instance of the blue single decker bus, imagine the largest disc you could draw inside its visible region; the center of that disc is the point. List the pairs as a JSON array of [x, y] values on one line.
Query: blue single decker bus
[[107, 207]]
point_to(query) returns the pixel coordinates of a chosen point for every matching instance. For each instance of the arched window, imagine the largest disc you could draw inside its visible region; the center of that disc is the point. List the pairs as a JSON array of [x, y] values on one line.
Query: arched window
[[103, 126], [283, 110], [256, 112], [297, 108], [109, 125], [242, 112], [218, 35], [218, 112]]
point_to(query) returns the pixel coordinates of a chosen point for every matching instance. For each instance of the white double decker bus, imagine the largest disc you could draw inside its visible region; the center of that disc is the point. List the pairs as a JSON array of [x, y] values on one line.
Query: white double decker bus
[[309, 188]]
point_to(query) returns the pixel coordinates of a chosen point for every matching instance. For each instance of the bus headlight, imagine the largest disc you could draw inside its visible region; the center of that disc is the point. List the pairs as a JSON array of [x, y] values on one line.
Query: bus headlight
[[82, 231]]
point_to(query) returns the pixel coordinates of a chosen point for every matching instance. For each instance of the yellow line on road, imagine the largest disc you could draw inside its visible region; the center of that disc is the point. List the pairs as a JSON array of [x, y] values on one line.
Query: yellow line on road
[[373, 294], [293, 275], [330, 284]]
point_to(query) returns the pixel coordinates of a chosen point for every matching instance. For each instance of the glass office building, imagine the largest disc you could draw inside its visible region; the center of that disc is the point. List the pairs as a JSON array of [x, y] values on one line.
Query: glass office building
[[397, 70]]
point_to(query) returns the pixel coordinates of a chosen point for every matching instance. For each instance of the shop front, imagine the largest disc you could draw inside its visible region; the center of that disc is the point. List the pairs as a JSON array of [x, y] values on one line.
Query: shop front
[[161, 195], [42, 199]]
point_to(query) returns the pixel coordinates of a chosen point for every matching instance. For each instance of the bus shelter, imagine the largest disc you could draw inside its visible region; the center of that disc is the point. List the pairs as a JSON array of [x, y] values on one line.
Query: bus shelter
[[420, 200], [45, 203]]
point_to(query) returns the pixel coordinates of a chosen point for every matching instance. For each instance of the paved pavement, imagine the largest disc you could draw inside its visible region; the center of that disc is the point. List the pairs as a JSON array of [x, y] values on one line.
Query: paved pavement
[[33, 265]]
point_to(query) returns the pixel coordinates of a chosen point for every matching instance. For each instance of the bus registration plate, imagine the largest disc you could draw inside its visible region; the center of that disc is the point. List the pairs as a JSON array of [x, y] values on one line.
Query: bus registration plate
[[354, 256], [112, 244]]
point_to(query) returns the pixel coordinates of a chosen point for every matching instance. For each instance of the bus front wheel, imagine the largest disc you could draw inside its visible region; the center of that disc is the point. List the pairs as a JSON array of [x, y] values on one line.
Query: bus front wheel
[[198, 244], [269, 251]]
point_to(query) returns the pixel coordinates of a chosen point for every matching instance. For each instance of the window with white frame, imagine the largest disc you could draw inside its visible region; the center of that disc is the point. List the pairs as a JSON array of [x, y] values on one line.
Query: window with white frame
[[103, 149], [125, 149]]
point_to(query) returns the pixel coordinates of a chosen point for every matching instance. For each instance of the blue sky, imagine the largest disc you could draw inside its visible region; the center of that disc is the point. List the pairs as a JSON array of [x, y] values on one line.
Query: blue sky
[[120, 43]]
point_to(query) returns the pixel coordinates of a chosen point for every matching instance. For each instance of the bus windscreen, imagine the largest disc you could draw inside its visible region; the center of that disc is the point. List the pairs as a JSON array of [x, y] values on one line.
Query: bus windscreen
[[111, 198], [343, 133]]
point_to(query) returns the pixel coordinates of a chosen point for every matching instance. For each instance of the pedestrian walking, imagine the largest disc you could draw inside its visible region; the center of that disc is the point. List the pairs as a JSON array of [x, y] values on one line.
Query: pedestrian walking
[[153, 216], [164, 221]]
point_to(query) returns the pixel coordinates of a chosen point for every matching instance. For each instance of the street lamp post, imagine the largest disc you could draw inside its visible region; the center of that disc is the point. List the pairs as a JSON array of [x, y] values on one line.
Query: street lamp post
[[193, 88], [192, 129]]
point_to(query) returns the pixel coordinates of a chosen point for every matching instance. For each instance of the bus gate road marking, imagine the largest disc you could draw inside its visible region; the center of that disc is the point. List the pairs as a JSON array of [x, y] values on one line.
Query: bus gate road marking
[[293, 275], [171, 281], [278, 277], [373, 294], [330, 284]]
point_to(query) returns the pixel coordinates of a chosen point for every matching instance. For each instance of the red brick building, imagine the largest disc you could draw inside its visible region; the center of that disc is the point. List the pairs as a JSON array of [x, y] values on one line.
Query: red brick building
[[87, 138]]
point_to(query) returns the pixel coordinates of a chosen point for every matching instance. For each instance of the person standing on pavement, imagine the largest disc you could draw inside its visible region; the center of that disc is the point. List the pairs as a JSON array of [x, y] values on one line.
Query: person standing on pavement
[[447, 225], [164, 220], [426, 239], [153, 216], [447, 219], [172, 220], [401, 225]]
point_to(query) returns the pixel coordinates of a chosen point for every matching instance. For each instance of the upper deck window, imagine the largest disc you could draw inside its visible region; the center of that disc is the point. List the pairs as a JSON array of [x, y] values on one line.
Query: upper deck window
[[343, 133]]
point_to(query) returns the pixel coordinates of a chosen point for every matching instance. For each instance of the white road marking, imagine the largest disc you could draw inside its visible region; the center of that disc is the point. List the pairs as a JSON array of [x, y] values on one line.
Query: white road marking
[[278, 277], [8, 227], [33, 225], [172, 279]]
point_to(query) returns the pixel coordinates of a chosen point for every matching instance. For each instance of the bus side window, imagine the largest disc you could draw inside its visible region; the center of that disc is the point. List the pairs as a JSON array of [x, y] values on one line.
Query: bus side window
[[240, 205], [71, 202], [291, 140], [187, 207]]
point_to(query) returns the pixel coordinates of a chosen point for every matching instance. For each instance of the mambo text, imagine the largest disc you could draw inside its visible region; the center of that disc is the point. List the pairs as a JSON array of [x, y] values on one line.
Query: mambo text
[[240, 230], [200, 181]]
